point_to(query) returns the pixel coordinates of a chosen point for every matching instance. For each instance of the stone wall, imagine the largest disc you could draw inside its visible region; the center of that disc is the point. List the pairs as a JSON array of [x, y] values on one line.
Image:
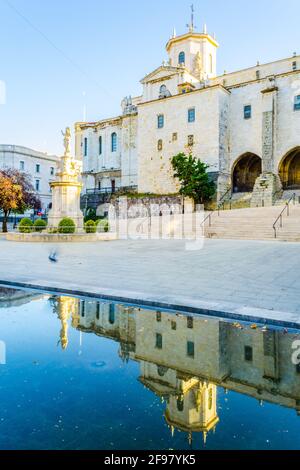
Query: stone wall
[[142, 207], [59, 238], [155, 172]]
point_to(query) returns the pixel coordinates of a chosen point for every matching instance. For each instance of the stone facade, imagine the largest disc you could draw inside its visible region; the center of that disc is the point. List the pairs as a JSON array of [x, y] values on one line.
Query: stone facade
[[224, 120], [145, 206]]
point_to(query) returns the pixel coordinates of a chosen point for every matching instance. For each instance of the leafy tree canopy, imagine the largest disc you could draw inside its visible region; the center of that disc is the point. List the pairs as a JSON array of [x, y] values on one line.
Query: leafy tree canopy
[[193, 177], [16, 194]]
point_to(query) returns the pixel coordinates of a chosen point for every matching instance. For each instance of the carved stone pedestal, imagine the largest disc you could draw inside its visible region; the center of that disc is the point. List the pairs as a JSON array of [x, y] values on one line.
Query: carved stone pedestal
[[267, 189]]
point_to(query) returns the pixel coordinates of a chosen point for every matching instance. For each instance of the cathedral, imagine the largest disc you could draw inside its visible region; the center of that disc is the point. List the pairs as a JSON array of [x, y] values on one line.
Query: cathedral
[[245, 125]]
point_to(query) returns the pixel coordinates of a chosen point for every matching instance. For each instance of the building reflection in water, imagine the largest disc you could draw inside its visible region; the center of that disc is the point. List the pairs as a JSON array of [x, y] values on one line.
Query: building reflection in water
[[184, 359], [10, 298]]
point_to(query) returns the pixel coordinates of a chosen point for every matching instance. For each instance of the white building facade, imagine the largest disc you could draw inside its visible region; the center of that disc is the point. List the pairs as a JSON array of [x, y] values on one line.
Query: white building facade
[[245, 125], [108, 150], [40, 166]]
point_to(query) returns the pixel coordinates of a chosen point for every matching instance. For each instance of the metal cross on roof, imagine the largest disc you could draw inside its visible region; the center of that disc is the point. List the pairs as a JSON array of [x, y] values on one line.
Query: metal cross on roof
[[191, 26]]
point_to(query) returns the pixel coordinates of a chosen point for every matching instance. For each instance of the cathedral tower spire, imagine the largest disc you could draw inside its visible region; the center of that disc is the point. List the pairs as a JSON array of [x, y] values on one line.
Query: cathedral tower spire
[[197, 52], [191, 25]]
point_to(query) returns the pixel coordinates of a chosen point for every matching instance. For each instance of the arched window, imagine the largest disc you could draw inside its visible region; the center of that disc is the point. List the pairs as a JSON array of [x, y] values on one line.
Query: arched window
[[181, 58], [100, 145], [114, 142], [164, 92], [161, 370]]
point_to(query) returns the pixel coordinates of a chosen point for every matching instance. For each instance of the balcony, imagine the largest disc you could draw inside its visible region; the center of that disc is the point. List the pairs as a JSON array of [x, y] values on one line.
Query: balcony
[[93, 198]]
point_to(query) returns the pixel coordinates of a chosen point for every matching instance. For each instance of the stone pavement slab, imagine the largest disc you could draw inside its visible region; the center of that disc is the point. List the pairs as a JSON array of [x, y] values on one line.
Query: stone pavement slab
[[246, 279]]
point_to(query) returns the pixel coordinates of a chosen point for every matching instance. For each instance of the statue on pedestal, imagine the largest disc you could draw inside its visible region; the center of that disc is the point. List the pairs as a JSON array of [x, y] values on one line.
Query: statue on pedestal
[[67, 141], [66, 190]]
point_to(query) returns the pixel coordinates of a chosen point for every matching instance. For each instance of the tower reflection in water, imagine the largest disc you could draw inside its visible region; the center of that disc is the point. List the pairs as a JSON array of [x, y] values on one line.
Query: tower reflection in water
[[184, 359]]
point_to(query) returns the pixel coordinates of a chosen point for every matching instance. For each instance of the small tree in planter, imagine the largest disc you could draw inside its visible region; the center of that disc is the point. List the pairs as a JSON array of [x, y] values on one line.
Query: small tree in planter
[[40, 225], [66, 226], [193, 177], [25, 225], [103, 225], [90, 226]]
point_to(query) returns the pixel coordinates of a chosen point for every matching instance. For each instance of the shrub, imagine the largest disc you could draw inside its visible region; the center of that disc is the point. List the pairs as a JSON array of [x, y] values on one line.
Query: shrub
[[25, 225], [66, 225], [90, 226], [103, 225], [40, 225]]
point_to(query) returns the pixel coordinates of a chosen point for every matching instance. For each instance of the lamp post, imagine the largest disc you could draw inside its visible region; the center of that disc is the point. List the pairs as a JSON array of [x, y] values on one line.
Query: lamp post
[[264, 185]]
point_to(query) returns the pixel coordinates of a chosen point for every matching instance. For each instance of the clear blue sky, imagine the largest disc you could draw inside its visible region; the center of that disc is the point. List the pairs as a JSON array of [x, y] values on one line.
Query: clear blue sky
[[52, 51]]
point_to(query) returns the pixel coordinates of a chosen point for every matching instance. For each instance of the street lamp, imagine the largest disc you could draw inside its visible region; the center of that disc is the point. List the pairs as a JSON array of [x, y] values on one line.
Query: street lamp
[[264, 185]]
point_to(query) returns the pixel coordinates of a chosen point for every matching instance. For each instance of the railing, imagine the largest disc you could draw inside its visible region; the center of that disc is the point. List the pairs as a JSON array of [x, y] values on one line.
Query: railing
[[222, 203], [100, 191], [280, 217], [110, 190]]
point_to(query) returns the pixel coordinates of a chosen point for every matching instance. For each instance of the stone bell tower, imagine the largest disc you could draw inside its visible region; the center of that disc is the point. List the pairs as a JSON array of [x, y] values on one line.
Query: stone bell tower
[[195, 411], [197, 52]]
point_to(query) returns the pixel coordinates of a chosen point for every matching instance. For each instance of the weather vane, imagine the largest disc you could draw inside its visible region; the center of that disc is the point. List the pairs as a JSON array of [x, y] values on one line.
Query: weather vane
[[191, 26]]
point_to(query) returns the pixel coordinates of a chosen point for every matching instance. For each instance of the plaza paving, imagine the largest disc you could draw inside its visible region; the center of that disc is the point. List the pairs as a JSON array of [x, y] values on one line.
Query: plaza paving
[[258, 279]]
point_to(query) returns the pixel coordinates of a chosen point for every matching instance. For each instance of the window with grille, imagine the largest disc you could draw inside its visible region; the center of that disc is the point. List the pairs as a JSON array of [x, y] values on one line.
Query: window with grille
[[191, 115], [247, 112], [160, 121], [248, 354], [297, 103], [159, 341], [191, 349]]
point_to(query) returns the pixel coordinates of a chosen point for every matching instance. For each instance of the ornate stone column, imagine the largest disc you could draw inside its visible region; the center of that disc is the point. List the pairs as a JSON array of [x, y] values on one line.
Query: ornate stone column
[[66, 189]]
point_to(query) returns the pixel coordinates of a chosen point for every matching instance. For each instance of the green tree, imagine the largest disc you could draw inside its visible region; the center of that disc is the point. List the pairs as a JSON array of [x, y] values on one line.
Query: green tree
[[10, 198], [193, 177], [16, 194]]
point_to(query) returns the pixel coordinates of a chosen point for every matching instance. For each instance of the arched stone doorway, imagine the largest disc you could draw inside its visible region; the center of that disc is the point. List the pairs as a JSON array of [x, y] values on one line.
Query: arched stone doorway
[[245, 172], [289, 170]]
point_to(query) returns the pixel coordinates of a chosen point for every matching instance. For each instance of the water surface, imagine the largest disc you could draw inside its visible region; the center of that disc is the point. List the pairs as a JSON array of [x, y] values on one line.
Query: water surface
[[86, 374]]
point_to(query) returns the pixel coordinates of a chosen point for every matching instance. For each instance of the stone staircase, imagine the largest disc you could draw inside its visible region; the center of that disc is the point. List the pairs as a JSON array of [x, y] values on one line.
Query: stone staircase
[[240, 200], [287, 195], [254, 224]]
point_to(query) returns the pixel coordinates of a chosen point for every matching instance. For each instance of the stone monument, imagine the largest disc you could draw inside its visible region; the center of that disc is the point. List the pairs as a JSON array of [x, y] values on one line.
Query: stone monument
[[66, 189]]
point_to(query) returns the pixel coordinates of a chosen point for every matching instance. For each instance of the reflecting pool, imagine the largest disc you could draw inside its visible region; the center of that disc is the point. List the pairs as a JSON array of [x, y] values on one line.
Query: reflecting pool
[[87, 374]]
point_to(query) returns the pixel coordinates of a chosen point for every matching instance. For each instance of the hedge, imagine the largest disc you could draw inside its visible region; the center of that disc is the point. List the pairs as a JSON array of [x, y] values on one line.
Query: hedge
[[66, 225]]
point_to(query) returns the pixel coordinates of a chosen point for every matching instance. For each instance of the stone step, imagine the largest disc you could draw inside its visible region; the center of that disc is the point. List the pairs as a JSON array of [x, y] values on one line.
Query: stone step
[[255, 224]]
